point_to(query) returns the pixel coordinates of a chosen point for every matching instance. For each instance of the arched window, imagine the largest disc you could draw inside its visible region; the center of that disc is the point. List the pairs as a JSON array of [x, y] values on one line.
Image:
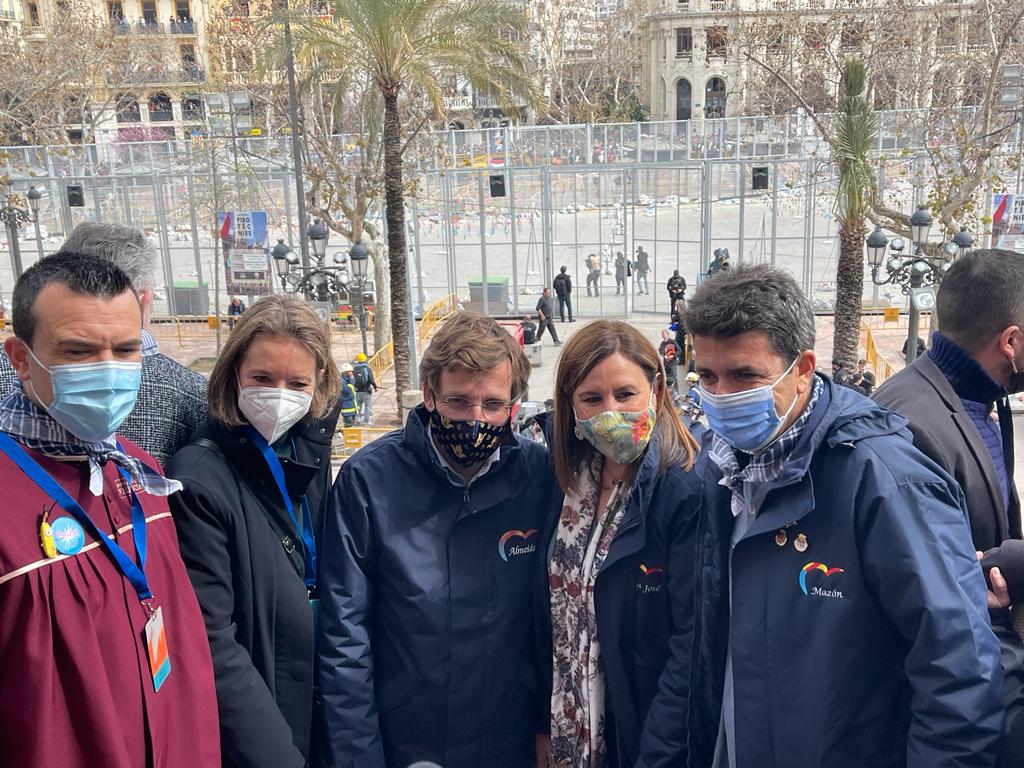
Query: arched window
[[714, 98], [684, 99], [127, 108], [160, 110]]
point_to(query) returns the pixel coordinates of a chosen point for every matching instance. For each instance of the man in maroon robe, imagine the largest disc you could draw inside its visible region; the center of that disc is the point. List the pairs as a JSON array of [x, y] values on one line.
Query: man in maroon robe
[[104, 654]]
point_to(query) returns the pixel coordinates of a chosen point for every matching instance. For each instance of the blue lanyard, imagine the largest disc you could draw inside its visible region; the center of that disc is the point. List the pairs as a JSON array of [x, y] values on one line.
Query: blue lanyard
[[134, 573], [308, 541]]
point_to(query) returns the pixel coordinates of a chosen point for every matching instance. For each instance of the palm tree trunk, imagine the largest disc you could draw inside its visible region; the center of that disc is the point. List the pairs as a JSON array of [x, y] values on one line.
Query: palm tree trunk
[[394, 214], [849, 293]]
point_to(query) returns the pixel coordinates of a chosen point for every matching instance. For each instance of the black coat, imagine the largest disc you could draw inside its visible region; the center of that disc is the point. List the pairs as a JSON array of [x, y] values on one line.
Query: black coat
[[562, 284], [945, 433], [245, 560], [645, 597]]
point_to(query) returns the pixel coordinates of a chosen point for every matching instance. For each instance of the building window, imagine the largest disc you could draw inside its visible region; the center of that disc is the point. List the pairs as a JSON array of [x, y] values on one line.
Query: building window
[[182, 10], [33, 14], [115, 10], [682, 5], [776, 42], [719, 5], [816, 36], [188, 56], [852, 37], [149, 12], [714, 98], [717, 41], [127, 109], [192, 108], [684, 42], [160, 109]]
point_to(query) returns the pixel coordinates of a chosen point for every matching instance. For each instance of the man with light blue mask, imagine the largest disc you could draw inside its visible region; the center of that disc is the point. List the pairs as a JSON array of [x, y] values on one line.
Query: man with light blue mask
[[841, 607], [103, 639]]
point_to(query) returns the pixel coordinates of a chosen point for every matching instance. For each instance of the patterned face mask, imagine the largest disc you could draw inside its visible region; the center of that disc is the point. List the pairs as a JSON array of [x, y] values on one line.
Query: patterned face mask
[[467, 443], [621, 436]]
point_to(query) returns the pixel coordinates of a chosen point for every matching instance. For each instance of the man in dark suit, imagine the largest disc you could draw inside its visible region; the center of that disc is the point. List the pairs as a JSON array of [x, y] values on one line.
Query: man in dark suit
[[955, 397]]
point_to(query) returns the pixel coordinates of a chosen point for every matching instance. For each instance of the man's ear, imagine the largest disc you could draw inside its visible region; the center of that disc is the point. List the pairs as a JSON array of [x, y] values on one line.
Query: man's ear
[[146, 305], [428, 398], [17, 353]]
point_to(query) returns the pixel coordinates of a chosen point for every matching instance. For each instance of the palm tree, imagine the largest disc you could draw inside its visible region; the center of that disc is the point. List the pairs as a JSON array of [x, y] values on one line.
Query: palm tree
[[856, 131], [409, 49]]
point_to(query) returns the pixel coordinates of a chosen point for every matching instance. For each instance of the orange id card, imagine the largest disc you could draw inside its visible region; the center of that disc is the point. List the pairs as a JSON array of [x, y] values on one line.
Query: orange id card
[[156, 642]]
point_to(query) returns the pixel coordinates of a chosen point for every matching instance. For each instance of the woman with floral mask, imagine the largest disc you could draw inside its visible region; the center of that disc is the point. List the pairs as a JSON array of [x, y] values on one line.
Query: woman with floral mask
[[620, 569], [255, 477]]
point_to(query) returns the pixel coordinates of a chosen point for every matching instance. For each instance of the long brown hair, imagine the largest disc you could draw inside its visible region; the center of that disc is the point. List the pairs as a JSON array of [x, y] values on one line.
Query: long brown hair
[[591, 345], [283, 316]]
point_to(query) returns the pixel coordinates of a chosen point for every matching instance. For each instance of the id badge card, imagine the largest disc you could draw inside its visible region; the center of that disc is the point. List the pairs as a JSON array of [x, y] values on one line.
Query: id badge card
[[156, 643]]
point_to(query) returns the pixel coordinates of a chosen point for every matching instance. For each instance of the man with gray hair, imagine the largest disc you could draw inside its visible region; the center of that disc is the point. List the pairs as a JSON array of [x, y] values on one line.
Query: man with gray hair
[[841, 606], [172, 399]]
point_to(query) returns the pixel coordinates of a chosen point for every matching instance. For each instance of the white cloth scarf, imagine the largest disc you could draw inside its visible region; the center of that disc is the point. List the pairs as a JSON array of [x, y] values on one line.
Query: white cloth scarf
[[581, 545]]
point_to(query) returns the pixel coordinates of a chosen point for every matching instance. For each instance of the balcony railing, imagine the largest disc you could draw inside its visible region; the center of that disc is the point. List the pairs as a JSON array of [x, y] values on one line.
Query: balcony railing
[[456, 103], [161, 115], [124, 27], [149, 77]]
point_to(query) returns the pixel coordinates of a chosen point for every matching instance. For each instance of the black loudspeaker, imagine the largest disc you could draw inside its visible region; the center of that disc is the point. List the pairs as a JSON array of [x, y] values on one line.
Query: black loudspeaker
[[497, 185], [760, 177], [76, 196]]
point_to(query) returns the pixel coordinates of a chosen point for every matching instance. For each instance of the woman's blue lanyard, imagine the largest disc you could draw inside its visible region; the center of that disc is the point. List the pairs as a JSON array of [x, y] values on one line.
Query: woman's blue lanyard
[[308, 541], [135, 574]]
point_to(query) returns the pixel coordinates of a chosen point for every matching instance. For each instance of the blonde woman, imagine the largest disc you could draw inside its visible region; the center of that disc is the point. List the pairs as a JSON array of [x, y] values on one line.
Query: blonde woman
[[621, 574], [255, 477]]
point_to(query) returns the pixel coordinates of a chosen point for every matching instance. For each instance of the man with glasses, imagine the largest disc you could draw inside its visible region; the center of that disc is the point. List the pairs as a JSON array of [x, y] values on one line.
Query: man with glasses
[[431, 546]]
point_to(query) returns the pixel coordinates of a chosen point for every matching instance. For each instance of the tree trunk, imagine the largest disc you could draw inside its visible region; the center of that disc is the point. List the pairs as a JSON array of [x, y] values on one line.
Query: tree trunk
[[849, 293], [394, 214]]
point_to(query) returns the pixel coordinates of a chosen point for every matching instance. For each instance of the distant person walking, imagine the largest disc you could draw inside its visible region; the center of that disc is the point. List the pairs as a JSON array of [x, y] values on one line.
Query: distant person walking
[[676, 289], [620, 273], [544, 313], [563, 290], [593, 274], [366, 385], [643, 268]]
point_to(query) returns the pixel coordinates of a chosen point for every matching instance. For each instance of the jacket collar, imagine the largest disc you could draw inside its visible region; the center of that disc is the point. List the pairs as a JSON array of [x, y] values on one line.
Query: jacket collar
[[967, 378], [417, 438], [632, 530], [841, 417]]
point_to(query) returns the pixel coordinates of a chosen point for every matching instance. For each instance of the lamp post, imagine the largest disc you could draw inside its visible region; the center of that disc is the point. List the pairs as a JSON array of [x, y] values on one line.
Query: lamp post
[[915, 273], [282, 264], [317, 235], [13, 217], [359, 255], [34, 196]]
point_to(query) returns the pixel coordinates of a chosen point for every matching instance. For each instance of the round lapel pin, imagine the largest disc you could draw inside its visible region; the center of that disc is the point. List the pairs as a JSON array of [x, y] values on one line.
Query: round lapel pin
[[68, 535], [800, 543], [781, 538]]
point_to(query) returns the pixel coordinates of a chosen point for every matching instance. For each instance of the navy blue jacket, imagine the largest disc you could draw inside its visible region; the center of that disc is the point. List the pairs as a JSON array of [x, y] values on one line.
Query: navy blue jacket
[[887, 662], [426, 636], [644, 600]]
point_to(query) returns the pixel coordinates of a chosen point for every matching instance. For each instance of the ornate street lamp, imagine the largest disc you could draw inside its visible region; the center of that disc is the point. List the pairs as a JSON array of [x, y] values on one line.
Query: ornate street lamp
[[318, 234], [13, 217], [359, 255], [915, 273]]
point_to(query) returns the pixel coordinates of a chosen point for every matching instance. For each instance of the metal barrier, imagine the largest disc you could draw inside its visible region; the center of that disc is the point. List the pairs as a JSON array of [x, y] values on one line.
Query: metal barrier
[[348, 440], [875, 359], [434, 315], [384, 358]]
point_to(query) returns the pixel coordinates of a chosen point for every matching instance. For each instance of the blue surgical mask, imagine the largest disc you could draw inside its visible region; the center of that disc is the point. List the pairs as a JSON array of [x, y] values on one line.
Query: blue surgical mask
[[91, 400], [747, 420]]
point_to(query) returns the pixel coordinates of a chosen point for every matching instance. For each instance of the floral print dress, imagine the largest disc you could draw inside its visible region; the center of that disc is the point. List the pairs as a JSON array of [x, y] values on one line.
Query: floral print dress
[[581, 545]]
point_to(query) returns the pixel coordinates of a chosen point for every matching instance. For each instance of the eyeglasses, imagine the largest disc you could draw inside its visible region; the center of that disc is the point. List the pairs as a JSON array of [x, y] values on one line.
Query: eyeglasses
[[462, 407]]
